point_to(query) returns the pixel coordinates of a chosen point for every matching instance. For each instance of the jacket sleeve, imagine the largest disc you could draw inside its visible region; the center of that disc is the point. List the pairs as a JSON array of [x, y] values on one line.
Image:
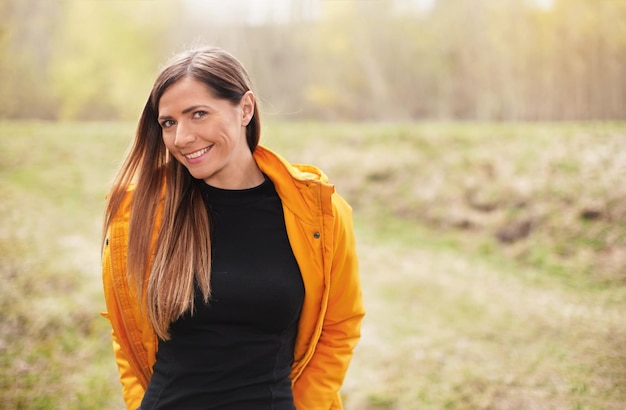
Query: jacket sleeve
[[318, 386], [132, 389]]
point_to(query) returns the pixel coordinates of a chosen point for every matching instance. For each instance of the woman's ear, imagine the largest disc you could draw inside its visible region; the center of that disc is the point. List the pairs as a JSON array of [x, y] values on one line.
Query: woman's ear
[[247, 107]]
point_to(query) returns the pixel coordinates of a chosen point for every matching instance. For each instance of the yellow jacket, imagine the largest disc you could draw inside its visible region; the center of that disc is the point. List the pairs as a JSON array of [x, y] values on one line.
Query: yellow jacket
[[319, 226]]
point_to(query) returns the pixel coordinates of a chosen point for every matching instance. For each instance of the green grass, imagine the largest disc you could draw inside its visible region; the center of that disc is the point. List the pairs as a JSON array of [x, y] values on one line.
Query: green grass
[[493, 261], [55, 350]]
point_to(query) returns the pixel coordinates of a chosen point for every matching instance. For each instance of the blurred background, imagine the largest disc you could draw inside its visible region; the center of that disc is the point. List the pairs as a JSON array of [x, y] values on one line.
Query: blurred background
[[499, 60], [481, 143]]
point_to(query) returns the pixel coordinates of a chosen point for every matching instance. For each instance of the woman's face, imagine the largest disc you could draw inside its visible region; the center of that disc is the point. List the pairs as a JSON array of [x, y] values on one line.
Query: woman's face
[[208, 134]]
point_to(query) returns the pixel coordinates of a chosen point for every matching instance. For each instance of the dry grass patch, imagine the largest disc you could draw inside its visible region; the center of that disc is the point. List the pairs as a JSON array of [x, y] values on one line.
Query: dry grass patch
[[447, 330], [550, 196]]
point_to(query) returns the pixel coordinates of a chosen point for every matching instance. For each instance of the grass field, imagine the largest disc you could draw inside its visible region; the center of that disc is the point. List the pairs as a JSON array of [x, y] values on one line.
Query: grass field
[[493, 261]]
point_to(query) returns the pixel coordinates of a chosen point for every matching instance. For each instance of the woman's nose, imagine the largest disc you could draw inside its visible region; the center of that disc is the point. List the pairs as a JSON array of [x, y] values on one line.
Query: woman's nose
[[184, 135]]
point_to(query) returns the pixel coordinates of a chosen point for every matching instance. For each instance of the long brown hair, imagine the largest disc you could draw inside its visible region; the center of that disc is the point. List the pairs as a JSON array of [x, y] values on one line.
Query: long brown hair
[[181, 255]]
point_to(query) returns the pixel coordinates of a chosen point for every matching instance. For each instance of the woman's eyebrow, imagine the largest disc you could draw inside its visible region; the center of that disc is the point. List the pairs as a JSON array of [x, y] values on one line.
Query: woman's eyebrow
[[185, 111], [192, 108]]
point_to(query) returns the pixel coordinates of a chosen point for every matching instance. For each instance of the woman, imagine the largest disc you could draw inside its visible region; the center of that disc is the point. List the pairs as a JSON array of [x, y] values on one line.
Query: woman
[[230, 276]]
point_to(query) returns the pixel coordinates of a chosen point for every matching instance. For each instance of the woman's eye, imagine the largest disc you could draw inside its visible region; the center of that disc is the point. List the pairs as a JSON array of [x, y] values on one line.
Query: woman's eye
[[199, 114], [167, 123]]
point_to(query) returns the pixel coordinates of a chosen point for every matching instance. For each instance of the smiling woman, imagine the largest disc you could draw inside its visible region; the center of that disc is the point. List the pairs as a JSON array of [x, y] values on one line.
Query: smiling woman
[[220, 256], [207, 134]]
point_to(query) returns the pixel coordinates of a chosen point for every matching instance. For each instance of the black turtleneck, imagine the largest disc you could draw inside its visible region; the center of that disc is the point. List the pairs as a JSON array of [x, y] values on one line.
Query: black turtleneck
[[236, 351]]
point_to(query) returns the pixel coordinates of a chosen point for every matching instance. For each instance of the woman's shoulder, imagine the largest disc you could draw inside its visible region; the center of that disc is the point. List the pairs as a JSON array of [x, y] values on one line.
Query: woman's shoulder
[[121, 211], [271, 162], [310, 182]]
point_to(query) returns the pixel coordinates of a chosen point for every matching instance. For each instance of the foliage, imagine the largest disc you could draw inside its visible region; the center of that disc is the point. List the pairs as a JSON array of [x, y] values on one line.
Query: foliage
[[78, 59], [374, 60]]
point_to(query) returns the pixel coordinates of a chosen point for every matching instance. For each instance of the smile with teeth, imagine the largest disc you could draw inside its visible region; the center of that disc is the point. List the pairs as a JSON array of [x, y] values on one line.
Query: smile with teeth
[[198, 153]]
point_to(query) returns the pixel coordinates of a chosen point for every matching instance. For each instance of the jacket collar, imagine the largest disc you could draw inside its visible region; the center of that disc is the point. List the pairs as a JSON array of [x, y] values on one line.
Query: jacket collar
[[311, 184]]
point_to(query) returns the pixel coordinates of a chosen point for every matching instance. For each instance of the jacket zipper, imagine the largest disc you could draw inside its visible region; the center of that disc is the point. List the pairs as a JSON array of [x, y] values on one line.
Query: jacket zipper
[[325, 296]]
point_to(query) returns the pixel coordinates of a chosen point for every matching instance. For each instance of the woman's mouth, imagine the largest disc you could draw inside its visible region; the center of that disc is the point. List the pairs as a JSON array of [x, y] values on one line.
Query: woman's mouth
[[198, 154]]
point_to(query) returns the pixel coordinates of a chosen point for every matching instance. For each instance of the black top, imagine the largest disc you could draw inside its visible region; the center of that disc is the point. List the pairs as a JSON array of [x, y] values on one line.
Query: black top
[[236, 352]]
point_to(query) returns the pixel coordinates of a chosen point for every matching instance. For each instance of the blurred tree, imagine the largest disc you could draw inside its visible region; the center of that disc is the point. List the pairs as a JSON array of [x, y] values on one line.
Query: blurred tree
[[79, 59], [24, 56], [106, 56], [374, 60]]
